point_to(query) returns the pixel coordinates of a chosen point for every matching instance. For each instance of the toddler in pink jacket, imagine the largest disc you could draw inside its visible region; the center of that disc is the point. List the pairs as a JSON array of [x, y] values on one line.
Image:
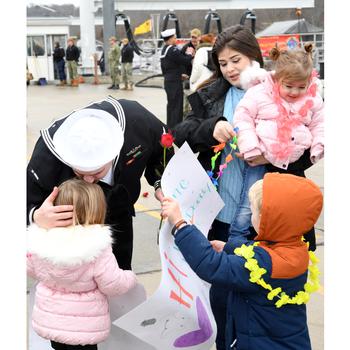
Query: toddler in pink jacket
[[279, 120], [76, 270], [282, 116]]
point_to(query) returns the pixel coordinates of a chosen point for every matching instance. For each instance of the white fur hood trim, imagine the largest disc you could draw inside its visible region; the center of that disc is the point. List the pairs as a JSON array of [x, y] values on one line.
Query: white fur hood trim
[[72, 245], [252, 75]]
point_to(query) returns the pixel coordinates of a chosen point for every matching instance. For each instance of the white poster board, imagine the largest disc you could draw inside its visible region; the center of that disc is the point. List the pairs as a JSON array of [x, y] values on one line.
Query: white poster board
[[178, 315]]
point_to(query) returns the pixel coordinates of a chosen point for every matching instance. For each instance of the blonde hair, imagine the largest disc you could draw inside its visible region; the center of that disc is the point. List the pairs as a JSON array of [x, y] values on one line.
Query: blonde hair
[[196, 32], [256, 194], [87, 199], [293, 65]]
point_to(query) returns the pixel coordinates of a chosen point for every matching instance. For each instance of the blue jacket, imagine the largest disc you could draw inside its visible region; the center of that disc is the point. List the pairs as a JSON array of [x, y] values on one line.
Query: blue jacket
[[256, 321]]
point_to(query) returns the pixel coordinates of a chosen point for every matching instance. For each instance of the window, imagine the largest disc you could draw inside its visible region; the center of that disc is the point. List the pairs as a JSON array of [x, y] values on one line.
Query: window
[[62, 39], [306, 38], [35, 45], [48, 45]]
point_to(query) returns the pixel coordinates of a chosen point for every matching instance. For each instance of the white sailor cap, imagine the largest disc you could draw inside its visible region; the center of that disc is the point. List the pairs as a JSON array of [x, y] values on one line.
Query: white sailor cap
[[168, 33], [88, 139]]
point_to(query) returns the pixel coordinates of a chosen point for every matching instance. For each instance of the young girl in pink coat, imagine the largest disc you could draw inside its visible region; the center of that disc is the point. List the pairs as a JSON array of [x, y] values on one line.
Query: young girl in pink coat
[[76, 270], [282, 116], [279, 120]]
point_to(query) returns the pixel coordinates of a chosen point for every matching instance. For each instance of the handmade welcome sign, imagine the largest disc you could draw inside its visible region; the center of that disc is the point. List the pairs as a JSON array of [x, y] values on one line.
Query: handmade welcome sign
[[178, 315]]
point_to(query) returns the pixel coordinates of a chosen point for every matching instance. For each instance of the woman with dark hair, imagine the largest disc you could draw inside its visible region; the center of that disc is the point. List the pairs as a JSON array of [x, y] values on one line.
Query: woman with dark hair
[[209, 123]]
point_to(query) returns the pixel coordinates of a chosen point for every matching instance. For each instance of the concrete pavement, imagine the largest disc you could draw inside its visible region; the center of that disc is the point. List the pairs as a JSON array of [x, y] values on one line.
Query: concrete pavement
[[47, 103]]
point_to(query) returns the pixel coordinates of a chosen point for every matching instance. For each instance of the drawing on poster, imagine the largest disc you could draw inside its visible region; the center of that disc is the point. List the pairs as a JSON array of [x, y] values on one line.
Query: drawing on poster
[[149, 322], [200, 335]]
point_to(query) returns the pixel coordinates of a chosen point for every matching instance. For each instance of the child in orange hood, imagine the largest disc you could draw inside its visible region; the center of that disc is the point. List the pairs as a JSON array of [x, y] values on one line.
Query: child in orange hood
[[267, 277]]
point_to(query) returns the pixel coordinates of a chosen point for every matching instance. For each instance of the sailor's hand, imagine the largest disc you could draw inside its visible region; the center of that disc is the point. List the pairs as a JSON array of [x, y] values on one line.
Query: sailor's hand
[[49, 216], [159, 194], [171, 210]]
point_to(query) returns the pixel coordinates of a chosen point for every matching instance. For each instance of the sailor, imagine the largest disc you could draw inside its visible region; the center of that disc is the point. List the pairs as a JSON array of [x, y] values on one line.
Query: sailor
[[110, 142], [172, 62]]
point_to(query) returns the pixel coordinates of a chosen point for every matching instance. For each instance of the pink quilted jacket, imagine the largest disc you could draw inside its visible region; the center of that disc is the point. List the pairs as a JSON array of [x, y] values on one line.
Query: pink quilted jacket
[[279, 130], [76, 270]]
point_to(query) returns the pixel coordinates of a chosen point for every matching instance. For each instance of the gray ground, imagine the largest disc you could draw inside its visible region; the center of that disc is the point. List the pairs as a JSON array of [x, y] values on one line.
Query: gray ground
[[46, 103]]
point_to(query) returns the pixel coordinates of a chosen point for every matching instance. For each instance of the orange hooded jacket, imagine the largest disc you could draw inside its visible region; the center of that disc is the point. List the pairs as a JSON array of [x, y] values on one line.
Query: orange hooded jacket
[[290, 207]]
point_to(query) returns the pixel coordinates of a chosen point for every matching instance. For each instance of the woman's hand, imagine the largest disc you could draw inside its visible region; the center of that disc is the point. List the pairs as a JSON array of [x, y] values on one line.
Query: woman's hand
[[223, 131], [49, 216], [190, 51], [171, 210], [218, 246], [258, 160]]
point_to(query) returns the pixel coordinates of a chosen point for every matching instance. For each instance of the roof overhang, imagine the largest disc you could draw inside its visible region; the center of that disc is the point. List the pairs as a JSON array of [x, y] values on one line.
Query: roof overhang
[[206, 5]]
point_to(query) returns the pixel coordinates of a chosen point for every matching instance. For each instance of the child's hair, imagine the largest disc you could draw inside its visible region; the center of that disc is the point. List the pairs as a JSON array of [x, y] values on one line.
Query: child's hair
[[255, 194], [87, 199], [293, 65], [207, 38]]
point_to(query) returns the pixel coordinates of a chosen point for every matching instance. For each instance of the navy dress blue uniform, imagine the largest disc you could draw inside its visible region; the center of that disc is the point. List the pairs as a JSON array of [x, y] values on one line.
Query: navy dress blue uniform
[[172, 62], [141, 153]]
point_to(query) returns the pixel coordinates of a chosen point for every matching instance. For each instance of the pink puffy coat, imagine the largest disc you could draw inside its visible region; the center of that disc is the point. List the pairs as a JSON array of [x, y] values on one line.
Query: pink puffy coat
[[279, 130], [76, 270]]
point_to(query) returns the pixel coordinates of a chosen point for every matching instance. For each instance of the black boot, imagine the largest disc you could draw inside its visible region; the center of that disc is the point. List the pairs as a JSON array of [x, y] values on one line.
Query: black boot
[[116, 87], [111, 87]]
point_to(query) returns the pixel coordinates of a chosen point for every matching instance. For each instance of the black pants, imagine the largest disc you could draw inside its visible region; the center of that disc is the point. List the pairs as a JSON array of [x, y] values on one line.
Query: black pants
[[119, 217], [61, 346], [123, 242], [174, 108]]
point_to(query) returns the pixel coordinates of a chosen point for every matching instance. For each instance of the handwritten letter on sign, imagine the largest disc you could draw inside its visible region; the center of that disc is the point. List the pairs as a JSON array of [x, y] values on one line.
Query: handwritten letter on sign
[[178, 315]]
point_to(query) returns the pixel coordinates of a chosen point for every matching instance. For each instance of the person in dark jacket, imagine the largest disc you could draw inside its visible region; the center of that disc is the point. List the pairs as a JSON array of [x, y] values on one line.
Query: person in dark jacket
[[195, 35], [110, 142], [101, 63], [58, 59], [267, 277], [172, 62], [127, 53], [193, 43], [72, 58], [209, 123]]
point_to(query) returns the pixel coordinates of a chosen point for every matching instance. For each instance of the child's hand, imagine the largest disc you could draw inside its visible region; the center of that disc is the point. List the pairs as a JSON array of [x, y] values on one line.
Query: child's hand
[[257, 160], [218, 246], [171, 210], [239, 155]]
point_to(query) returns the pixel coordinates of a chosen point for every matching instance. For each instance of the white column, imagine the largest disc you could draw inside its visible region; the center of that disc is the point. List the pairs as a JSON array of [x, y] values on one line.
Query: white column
[[87, 35]]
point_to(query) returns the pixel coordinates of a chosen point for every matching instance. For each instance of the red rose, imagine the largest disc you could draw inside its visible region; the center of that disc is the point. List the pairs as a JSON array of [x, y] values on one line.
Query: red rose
[[167, 140]]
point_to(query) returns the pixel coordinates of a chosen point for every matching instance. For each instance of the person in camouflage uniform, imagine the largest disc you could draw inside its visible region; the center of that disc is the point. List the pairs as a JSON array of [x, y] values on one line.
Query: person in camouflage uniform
[[127, 58], [113, 60], [72, 58]]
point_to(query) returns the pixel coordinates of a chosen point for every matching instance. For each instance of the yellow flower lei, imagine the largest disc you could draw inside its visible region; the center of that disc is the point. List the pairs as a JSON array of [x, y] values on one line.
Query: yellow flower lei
[[302, 297]]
